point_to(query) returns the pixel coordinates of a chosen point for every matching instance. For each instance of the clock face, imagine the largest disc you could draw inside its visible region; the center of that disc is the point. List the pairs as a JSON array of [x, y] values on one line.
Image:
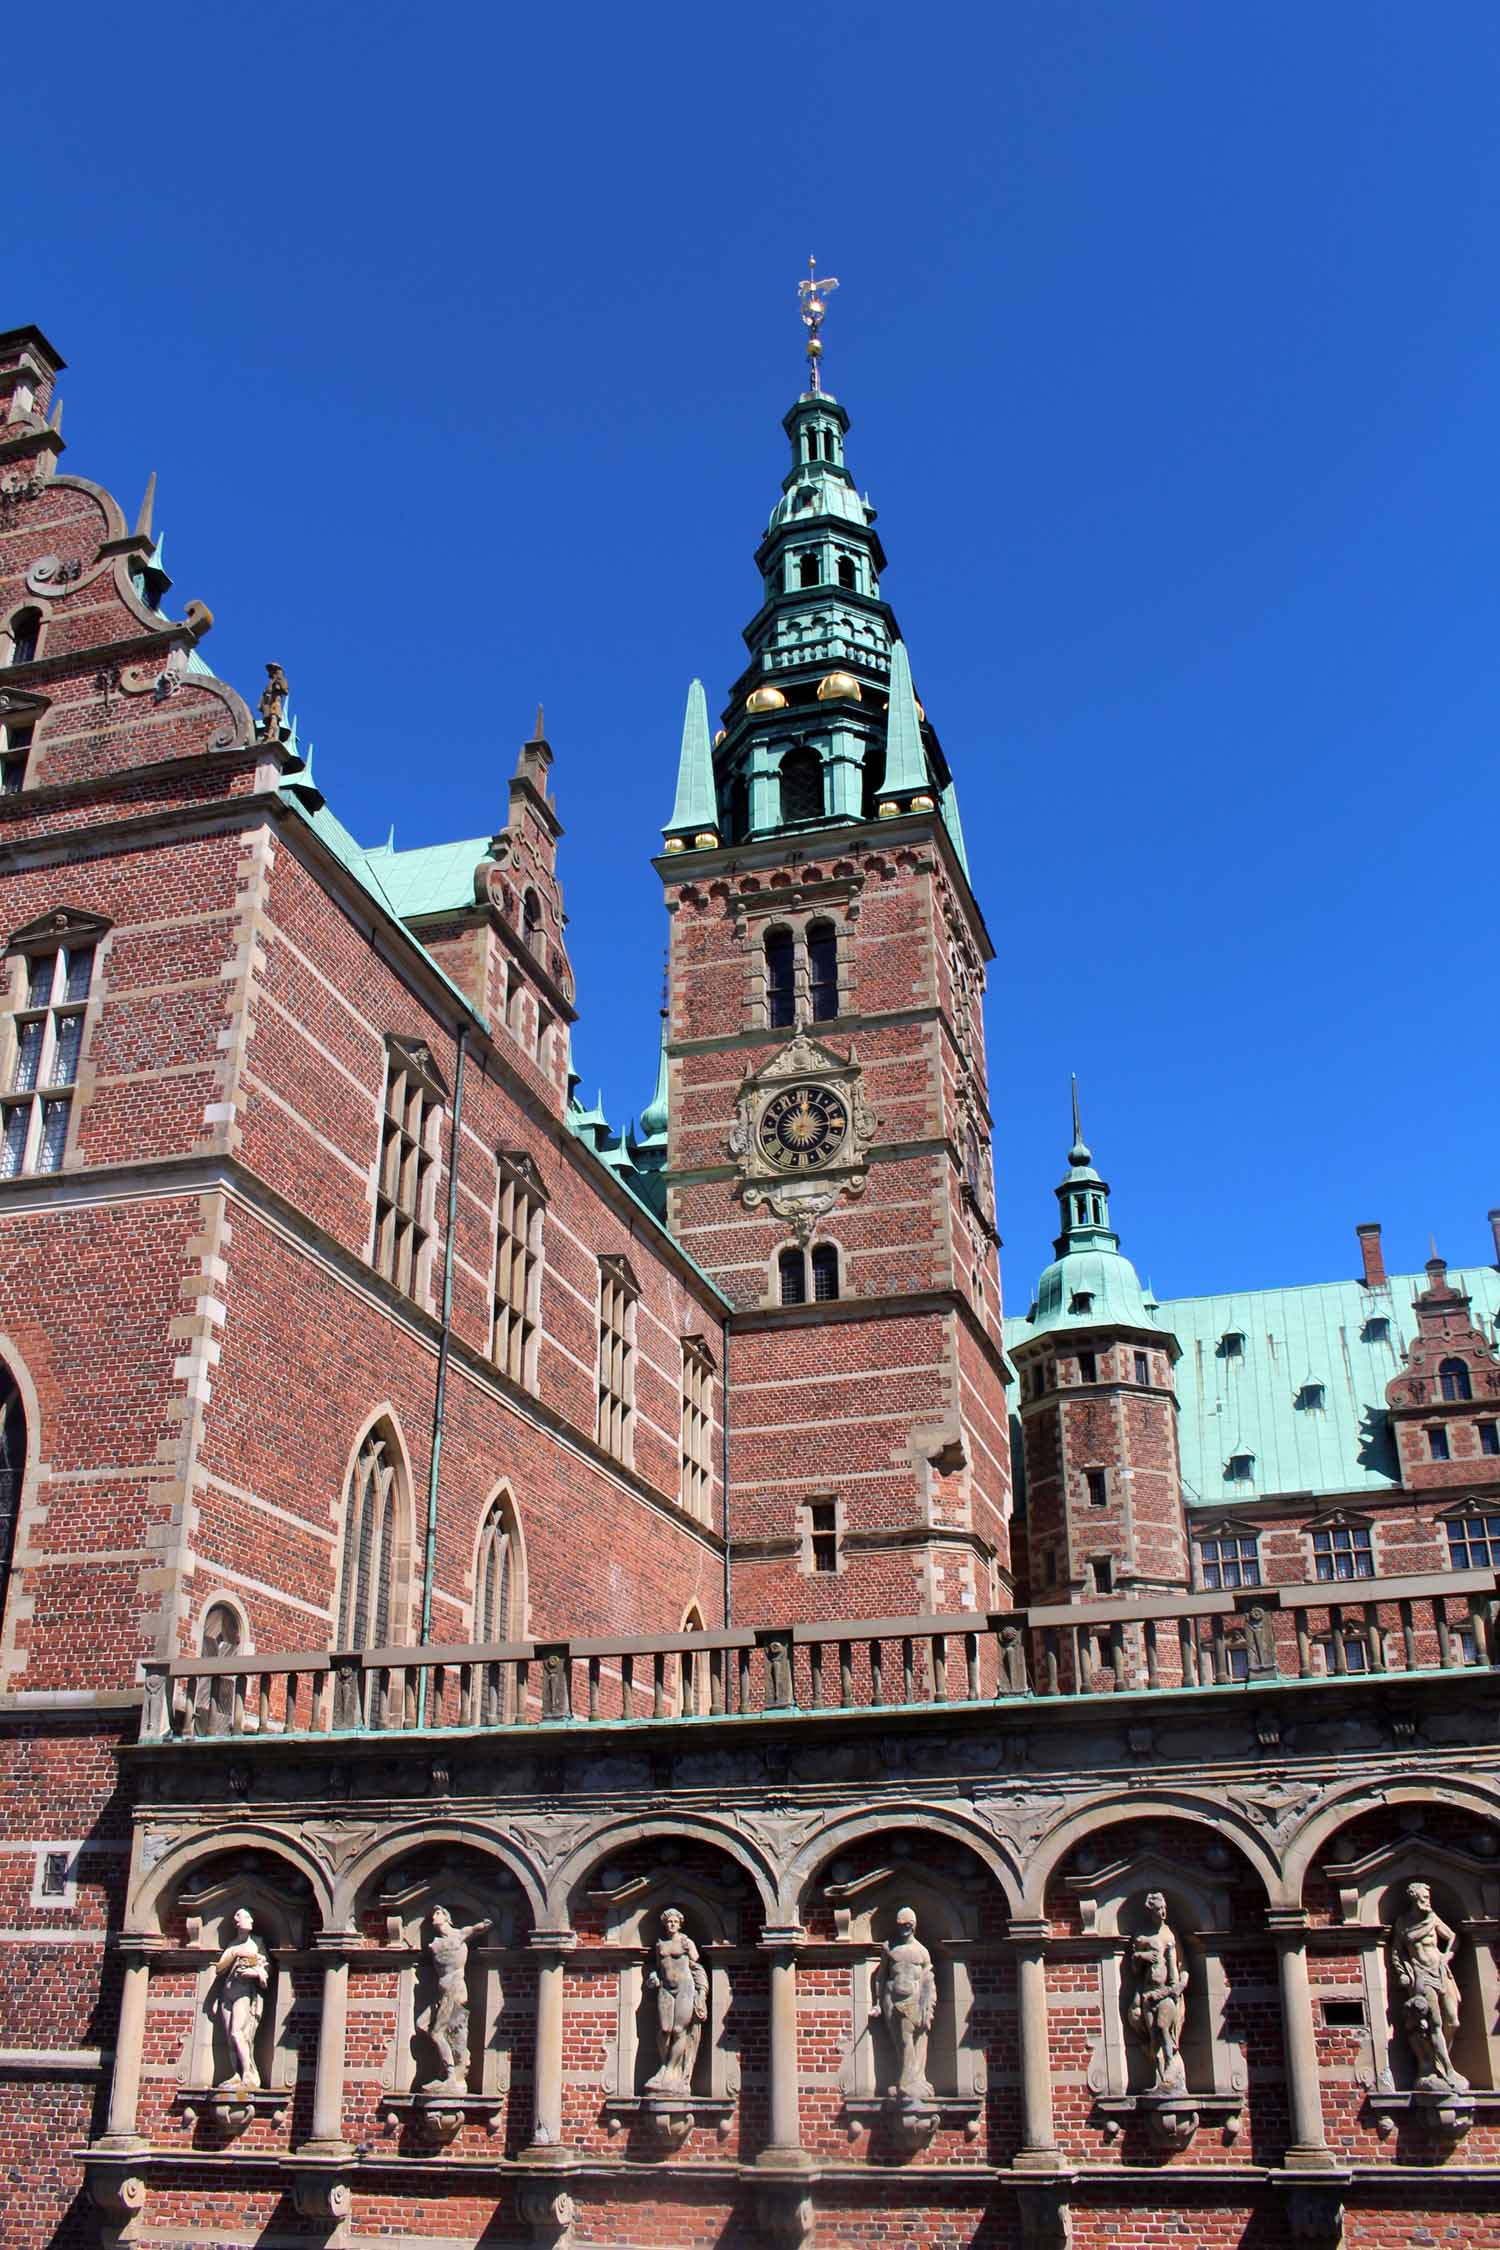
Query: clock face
[[802, 1128]]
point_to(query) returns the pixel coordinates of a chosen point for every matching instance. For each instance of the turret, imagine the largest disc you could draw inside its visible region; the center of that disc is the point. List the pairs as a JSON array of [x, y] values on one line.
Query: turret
[[1098, 1412]]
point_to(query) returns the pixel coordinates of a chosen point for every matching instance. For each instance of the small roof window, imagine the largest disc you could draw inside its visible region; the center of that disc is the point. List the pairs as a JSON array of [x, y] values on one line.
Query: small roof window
[[1081, 1301], [1240, 1468], [1377, 1329], [1232, 1344], [1311, 1398]]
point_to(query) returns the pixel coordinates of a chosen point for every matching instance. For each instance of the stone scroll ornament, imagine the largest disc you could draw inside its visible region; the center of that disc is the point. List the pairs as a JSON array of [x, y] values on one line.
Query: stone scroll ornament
[[906, 1990], [1157, 2007], [680, 1983], [447, 2023], [1425, 1990], [237, 1999]]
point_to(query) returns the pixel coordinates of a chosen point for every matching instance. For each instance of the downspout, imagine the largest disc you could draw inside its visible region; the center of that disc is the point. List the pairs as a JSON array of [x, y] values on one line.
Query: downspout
[[440, 1399], [724, 1468]]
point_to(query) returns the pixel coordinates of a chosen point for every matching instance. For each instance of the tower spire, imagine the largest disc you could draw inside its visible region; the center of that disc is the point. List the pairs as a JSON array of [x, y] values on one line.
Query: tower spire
[[1083, 1197], [695, 811], [905, 774], [814, 296]]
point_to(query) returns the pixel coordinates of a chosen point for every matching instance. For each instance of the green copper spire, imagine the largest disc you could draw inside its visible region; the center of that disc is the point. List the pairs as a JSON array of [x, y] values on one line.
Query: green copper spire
[[1083, 1198], [905, 773], [695, 815], [1090, 1283], [954, 825]]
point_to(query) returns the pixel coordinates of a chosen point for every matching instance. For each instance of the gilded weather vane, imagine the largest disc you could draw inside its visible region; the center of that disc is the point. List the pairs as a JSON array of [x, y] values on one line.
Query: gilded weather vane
[[814, 295]]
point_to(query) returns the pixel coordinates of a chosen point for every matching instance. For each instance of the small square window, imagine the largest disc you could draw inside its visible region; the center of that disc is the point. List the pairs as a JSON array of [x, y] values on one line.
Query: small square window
[[57, 1869], [1081, 1301], [1377, 1329], [1344, 2015], [1240, 1468], [1437, 1444], [1311, 1398], [1232, 1344], [1103, 1569]]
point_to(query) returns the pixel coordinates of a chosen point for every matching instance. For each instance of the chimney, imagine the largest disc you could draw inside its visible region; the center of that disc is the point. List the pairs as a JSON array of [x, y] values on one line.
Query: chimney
[[1373, 1255], [1495, 1234], [29, 367]]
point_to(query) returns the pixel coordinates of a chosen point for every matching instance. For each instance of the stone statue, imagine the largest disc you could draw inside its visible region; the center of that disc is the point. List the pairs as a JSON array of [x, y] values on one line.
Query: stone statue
[[1158, 1998], [1260, 1643], [448, 2019], [1424, 1988], [273, 702], [906, 1989], [1013, 1680], [680, 1983], [239, 1999]]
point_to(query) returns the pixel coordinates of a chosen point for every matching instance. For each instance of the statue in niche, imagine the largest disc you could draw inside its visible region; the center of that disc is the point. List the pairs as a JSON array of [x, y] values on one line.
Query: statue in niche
[[1260, 1643], [680, 1983], [906, 1989], [1421, 1954], [448, 2020], [1157, 2008], [238, 1999], [1013, 1680], [272, 703]]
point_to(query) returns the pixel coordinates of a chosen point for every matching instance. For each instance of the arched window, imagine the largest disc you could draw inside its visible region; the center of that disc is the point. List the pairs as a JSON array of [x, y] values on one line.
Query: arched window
[[372, 1534], [694, 1668], [807, 570], [495, 1617], [25, 636], [531, 920], [1454, 1378], [801, 785], [12, 1471], [792, 1272], [823, 970], [825, 1273], [781, 977], [848, 574]]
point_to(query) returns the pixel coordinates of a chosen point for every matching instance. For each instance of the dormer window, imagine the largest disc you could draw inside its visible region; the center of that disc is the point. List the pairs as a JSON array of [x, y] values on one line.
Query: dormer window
[[1453, 1379], [1232, 1344], [1376, 1330], [1311, 1398], [1081, 1302], [1240, 1468]]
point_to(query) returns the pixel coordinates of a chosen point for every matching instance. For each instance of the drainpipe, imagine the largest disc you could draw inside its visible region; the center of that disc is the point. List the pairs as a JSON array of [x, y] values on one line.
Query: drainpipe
[[724, 1468], [440, 1400]]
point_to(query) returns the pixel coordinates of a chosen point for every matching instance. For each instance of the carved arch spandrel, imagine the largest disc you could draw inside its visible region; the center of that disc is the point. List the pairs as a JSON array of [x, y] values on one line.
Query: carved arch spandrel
[[614, 1835], [846, 1829], [1350, 1801], [397, 1843], [1060, 1836], [164, 1876]]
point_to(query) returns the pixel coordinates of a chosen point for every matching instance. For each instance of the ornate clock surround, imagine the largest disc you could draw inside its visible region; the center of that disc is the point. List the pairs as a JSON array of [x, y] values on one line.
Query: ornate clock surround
[[802, 1193]]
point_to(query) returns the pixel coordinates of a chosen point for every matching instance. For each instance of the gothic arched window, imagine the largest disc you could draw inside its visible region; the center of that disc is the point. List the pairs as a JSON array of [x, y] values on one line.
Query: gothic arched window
[[495, 1604], [801, 785], [1454, 1378], [823, 970], [12, 1471], [781, 977], [372, 1542]]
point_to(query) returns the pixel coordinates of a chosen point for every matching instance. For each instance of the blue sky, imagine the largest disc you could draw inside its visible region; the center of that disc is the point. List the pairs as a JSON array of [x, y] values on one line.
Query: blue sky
[[461, 337]]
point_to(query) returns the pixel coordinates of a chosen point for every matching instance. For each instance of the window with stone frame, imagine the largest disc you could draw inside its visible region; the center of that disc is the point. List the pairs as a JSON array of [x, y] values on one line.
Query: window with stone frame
[[1228, 1559], [15, 757], [372, 1544], [406, 1188], [499, 1607], [697, 1427], [12, 1470], [516, 1328], [56, 970], [821, 1534], [619, 1293], [1473, 1540], [1342, 1550]]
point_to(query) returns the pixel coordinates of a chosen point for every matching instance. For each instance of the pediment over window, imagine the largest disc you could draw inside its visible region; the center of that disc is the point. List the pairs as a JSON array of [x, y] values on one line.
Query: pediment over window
[[621, 1270], [698, 1346], [17, 704], [415, 1055], [1465, 1510], [1226, 1527], [66, 925], [523, 1167], [1340, 1519]]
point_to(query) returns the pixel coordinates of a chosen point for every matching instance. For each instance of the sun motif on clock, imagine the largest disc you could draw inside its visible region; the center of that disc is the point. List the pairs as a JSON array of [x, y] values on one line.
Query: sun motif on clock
[[802, 1128]]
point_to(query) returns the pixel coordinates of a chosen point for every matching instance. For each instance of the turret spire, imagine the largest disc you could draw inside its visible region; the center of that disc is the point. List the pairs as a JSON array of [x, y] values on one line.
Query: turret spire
[[1083, 1197], [695, 813], [904, 781]]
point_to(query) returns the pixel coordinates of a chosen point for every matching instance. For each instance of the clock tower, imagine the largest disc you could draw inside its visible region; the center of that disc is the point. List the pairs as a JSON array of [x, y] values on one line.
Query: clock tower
[[828, 1140]]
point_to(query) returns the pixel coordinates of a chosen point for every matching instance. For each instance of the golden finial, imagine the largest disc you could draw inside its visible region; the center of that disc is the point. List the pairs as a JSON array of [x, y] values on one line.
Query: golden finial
[[814, 295]]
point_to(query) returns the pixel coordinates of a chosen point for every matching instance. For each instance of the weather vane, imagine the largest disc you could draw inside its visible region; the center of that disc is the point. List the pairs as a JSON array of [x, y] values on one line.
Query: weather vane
[[814, 295]]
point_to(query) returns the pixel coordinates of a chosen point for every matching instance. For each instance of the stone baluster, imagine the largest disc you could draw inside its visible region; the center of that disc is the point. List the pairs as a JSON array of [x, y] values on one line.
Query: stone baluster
[[551, 1948], [1038, 2151], [785, 2148], [1309, 2146], [328, 2086], [124, 2094]]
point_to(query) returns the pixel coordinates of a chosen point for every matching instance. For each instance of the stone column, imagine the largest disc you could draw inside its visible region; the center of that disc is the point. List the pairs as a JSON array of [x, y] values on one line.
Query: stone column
[[1038, 2151], [328, 2086], [124, 2094], [551, 1948], [1309, 2147], [785, 2147]]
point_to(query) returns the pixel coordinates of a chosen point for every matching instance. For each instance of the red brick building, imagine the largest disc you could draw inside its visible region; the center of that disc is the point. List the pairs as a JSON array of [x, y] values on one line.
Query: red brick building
[[416, 1498]]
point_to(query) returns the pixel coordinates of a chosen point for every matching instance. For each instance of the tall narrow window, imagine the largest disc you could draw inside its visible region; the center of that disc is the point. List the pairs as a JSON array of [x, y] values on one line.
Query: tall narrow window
[[823, 970], [618, 1292], [825, 1273], [1097, 1481], [1088, 1367], [48, 1041], [409, 1129], [1437, 1443], [848, 574], [14, 760], [531, 921], [25, 636], [801, 786], [499, 1609], [781, 977], [1489, 1437], [739, 808], [1142, 1368], [12, 1471], [372, 1537], [1453, 1377], [807, 570], [697, 1427], [792, 1274], [822, 1518], [518, 1270]]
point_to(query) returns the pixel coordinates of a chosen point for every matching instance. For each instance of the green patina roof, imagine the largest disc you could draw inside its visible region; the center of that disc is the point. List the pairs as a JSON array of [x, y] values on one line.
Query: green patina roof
[[432, 879], [697, 804], [905, 760], [1315, 1333]]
